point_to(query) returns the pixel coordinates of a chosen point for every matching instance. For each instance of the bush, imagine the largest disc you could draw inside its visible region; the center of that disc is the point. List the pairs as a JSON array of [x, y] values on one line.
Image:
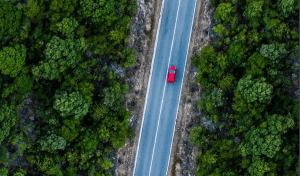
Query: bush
[[199, 136], [255, 89], [72, 104]]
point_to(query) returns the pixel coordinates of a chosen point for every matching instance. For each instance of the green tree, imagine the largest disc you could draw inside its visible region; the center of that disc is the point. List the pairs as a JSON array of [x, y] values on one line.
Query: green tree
[[260, 142], [67, 26], [286, 7], [114, 95], [119, 130], [241, 106], [90, 9], [4, 171], [227, 82], [3, 157], [241, 37], [219, 29], [280, 33], [107, 164], [212, 101], [99, 112], [20, 88], [55, 170], [19, 172], [82, 71], [256, 65], [71, 171], [244, 123], [267, 140], [271, 18], [198, 136], [253, 12], [72, 104], [60, 9], [86, 90], [70, 129], [258, 167], [206, 162], [34, 10], [255, 89], [117, 36], [8, 117], [210, 71], [227, 157], [89, 140], [225, 13], [12, 59], [128, 57], [10, 22], [72, 157], [279, 124], [52, 142], [275, 52], [44, 162], [237, 54], [66, 52], [60, 55]]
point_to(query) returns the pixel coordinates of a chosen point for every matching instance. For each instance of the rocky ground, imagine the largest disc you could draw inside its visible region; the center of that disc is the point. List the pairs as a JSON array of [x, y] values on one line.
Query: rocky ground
[[143, 30]]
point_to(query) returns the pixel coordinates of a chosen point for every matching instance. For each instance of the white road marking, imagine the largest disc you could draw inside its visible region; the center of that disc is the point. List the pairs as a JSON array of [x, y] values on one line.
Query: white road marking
[[164, 87], [148, 87], [182, 82]]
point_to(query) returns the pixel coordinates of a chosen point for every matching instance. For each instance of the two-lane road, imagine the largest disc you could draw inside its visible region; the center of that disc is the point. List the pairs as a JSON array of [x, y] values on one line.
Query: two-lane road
[[162, 99]]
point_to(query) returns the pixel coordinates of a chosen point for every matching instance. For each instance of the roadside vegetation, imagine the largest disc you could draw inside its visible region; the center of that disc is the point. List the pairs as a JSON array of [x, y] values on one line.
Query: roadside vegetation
[[246, 75], [60, 53]]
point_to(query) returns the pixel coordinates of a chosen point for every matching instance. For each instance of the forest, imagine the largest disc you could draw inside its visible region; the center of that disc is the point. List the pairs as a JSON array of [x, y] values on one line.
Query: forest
[[247, 90], [61, 54]]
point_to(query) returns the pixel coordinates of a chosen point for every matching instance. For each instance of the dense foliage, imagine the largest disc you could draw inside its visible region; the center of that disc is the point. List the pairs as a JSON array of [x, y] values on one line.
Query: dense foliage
[[246, 74], [59, 54]]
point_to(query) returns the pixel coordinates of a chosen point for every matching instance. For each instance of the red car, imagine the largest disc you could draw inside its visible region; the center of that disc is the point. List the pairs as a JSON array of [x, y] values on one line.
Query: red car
[[171, 74]]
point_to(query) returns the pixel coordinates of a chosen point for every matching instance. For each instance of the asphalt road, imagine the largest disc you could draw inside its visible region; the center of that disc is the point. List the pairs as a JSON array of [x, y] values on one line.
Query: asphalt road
[[162, 99]]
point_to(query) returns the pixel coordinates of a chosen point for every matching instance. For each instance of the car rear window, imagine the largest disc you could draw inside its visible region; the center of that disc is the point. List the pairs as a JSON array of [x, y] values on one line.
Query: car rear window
[[172, 71]]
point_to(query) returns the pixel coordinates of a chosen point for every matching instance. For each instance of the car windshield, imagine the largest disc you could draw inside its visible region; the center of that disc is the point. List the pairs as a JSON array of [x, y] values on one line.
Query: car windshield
[[172, 71]]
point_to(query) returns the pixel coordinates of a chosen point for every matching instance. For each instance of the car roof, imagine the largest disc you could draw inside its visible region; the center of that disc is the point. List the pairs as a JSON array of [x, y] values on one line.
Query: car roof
[[171, 77]]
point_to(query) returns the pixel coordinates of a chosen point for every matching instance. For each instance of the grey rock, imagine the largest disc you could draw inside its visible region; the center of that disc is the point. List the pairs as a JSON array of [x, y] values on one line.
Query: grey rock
[[208, 124], [89, 54], [237, 140], [32, 117], [28, 101]]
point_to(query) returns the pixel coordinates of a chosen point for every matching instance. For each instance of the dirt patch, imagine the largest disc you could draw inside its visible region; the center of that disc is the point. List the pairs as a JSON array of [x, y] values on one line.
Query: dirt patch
[[143, 32], [188, 114]]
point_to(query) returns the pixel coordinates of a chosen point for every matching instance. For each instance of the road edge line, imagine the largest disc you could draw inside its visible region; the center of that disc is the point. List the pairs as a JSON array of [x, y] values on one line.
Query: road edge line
[[148, 86], [182, 84], [164, 87]]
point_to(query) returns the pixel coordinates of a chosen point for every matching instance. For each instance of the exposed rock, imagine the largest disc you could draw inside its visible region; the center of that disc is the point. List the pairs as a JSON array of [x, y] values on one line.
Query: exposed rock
[[208, 124], [89, 54], [237, 140], [32, 117]]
